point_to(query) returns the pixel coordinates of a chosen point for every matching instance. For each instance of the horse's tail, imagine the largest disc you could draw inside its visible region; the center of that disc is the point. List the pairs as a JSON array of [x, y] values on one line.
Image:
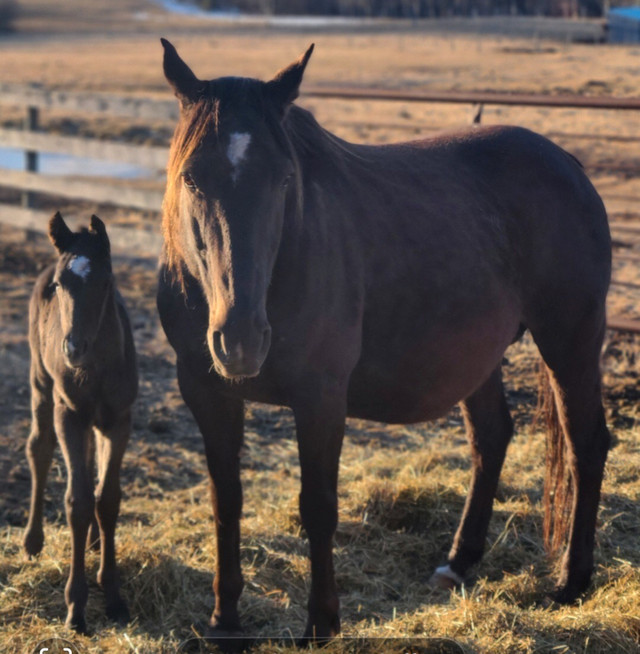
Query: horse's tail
[[558, 486]]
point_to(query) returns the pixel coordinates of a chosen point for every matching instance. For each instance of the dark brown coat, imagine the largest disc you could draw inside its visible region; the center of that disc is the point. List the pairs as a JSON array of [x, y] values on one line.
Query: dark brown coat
[[83, 384], [378, 282]]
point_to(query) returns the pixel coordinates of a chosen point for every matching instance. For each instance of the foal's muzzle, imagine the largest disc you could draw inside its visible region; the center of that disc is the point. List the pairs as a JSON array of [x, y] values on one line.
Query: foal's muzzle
[[74, 351], [237, 356]]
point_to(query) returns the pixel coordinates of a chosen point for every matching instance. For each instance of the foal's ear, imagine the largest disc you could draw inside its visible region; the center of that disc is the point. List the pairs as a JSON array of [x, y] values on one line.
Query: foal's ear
[[184, 83], [61, 236], [283, 88], [97, 227]]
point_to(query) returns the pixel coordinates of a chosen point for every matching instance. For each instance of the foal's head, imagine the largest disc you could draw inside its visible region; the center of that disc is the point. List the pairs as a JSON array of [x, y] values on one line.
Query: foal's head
[[83, 284], [232, 178]]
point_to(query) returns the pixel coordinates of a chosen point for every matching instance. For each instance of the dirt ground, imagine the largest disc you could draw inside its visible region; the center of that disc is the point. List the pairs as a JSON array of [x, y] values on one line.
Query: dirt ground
[[402, 487]]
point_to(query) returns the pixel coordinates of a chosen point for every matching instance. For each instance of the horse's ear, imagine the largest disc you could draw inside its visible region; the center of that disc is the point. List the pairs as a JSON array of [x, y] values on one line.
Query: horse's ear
[[283, 88], [61, 236], [184, 83], [97, 226]]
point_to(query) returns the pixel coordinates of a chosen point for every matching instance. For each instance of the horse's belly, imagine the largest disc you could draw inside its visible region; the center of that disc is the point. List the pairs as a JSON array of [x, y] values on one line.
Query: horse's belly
[[429, 375]]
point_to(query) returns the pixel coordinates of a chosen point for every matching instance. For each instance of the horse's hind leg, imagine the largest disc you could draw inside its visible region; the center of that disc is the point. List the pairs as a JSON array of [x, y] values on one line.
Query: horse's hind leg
[[489, 430], [572, 357], [40, 446], [111, 446]]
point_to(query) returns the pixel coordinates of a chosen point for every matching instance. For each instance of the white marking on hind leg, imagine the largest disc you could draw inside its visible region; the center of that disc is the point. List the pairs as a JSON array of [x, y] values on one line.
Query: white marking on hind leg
[[445, 577], [236, 152]]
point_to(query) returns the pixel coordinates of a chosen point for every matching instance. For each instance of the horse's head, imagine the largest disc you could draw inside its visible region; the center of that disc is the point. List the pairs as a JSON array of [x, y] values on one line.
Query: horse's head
[[83, 282], [232, 177]]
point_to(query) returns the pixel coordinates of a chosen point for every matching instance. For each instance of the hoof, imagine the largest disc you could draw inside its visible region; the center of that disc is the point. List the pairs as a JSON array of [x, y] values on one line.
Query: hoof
[[320, 634], [568, 594], [571, 586], [227, 640], [77, 624], [33, 542], [445, 578], [118, 612]]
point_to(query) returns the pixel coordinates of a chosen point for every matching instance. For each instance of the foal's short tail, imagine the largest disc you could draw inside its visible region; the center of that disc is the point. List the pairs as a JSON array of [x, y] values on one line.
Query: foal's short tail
[[558, 485]]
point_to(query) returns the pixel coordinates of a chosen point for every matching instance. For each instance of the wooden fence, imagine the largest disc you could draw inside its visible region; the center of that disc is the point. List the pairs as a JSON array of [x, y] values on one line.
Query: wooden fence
[[34, 99]]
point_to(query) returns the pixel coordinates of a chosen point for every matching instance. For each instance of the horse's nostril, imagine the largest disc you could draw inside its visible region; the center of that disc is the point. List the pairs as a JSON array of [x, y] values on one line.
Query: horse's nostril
[[219, 347], [266, 340], [68, 347], [73, 350]]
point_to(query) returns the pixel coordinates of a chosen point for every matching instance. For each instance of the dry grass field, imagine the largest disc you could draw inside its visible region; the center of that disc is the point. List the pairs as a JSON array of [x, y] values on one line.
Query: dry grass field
[[402, 487]]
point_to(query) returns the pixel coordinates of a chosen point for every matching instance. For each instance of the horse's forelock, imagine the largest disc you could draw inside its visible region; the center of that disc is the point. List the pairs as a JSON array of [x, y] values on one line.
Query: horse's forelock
[[193, 126], [200, 119]]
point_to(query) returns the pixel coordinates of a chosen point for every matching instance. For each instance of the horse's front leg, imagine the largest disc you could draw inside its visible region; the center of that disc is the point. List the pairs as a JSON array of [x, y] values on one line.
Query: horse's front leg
[[320, 419], [40, 447], [73, 434], [111, 447], [93, 539], [221, 422]]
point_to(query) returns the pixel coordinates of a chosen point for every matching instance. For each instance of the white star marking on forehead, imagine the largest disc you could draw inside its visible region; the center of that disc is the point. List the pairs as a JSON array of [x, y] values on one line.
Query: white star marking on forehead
[[80, 266], [237, 150]]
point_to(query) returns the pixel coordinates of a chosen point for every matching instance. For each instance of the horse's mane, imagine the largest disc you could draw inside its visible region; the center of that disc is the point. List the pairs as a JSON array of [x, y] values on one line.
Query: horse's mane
[[309, 138]]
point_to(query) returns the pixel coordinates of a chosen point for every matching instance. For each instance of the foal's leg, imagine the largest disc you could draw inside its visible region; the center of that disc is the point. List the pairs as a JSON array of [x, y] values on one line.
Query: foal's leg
[[221, 422], [320, 419], [73, 434], [40, 446], [489, 430], [572, 357], [111, 446], [93, 539]]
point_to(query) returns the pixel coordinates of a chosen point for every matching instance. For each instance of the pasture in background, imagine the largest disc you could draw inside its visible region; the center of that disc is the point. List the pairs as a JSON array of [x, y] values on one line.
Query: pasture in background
[[401, 488]]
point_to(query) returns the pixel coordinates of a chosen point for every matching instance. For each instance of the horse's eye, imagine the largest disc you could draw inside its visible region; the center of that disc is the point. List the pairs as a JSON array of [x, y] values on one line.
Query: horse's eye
[[188, 181], [55, 286]]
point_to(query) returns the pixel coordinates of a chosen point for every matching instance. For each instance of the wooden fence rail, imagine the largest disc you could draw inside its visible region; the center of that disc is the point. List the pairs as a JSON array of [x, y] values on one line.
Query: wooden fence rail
[[145, 156], [137, 242], [124, 240], [96, 191], [158, 109], [143, 108]]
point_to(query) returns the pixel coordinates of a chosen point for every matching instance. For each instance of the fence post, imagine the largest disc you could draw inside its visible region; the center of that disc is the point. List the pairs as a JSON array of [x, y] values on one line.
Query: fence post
[[30, 158], [31, 165], [476, 119]]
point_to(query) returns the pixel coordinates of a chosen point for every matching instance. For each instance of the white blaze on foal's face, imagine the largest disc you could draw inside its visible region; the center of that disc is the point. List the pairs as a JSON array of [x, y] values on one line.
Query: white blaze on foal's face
[[237, 152], [80, 266]]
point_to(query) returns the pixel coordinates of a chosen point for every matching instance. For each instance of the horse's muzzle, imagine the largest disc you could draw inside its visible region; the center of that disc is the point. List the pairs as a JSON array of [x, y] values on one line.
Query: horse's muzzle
[[240, 357]]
